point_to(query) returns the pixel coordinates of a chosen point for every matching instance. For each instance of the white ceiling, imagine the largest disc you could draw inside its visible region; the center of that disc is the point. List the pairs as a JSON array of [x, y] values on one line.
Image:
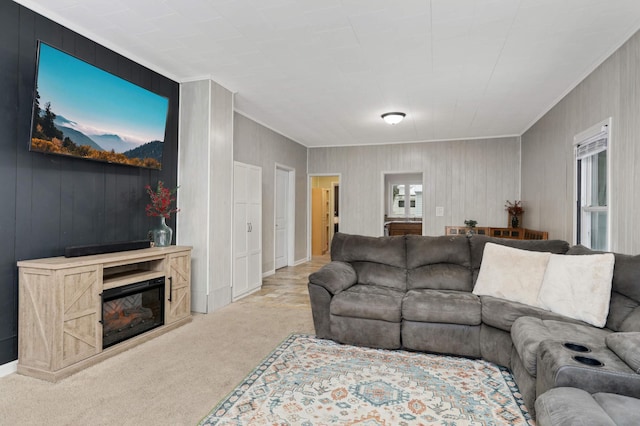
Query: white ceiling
[[323, 71]]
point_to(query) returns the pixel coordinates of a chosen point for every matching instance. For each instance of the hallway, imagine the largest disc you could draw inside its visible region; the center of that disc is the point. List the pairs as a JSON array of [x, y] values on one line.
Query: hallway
[[288, 286]]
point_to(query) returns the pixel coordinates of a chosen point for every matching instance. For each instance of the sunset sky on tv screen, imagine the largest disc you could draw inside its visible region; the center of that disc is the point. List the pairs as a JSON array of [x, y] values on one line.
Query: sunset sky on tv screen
[[96, 102]]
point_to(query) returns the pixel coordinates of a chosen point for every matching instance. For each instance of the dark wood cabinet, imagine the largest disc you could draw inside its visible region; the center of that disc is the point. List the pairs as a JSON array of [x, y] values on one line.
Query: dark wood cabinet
[[404, 228], [511, 233]]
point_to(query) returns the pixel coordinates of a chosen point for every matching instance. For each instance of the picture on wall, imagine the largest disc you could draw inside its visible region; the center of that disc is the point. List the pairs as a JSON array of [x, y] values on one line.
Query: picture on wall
[[83, 111]]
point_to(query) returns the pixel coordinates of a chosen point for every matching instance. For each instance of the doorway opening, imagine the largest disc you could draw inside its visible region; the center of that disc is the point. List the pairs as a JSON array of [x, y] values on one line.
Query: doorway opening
[[402, 203], [284, 217], [325, 212]]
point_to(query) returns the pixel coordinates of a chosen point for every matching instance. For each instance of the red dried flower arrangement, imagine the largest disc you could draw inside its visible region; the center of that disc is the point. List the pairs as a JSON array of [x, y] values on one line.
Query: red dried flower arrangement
[[161, 200], [515, 208]]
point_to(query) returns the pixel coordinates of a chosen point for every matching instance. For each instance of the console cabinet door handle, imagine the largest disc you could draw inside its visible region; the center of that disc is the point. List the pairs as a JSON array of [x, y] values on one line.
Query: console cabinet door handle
[[170, 289], [101, 309]]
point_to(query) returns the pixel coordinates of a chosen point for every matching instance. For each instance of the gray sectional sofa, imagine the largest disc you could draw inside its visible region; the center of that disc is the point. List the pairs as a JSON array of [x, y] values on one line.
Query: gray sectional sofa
[[415, 292]]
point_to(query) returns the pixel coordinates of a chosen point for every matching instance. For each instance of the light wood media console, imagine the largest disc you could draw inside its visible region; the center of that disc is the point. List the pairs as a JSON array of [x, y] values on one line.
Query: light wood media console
[[60, 305]]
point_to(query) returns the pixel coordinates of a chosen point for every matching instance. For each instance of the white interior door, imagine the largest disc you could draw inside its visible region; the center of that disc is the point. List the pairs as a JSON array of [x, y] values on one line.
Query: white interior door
[[240, 229], [282, 195], [254, 247], [247, 229]]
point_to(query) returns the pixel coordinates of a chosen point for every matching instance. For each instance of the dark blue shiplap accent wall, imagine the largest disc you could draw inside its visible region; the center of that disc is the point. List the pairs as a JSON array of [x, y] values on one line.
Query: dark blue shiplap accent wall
[[50, 202]]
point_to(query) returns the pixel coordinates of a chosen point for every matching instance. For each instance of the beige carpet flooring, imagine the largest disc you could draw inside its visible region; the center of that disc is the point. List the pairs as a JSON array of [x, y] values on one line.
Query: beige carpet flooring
[[177, 378]]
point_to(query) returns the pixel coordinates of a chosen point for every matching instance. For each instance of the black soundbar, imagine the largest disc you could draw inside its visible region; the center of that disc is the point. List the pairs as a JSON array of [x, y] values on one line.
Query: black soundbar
[[76, 251]]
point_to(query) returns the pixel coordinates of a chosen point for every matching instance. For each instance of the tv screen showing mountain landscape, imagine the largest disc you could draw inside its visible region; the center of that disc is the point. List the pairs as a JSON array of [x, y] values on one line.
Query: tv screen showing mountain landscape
[[82, 111]]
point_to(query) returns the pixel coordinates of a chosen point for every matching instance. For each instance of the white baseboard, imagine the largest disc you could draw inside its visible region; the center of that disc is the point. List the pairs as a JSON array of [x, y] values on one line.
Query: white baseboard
[[8, 368], [296, 263], [268, 273]]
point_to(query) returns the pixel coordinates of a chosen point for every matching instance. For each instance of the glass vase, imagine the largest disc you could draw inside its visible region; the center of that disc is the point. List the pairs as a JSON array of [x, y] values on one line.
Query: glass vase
[[163, 234]]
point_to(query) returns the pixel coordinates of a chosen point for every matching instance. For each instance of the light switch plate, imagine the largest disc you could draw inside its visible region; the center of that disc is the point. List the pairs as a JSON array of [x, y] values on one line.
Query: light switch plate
[[439, 211]]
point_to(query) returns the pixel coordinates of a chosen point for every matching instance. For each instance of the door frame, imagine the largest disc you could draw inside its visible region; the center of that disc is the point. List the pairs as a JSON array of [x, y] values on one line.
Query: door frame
[[577, 139], [383, 204], [334, 184], [291, 212], [309, 211]]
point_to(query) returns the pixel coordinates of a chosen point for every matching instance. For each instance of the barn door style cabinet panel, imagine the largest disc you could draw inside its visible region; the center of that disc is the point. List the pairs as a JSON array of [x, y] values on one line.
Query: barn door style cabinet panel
[[178, 302], [77, 311]]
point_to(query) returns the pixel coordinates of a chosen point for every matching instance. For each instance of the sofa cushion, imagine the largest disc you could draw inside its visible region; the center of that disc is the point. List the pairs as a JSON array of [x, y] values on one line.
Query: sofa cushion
[[627, 347], [477, 243], [368, 301], [622, 311], [625, 271], [623, 410], [378, 261], [443, 276], [335, 277], [566, 406], [512, 274], [423, 250], [443, 306], [527, 333], [358, 248], [501, 313], [632, 321], [439, 263], [381, 275], [578, 287]]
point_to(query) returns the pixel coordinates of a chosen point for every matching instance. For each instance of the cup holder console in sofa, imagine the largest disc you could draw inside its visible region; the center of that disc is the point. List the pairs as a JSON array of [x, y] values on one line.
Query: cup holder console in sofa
[[591, 362], [576, 347]]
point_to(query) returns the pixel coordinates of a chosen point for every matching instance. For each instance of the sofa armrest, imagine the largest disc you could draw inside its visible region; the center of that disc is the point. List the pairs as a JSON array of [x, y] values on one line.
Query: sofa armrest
[[627, 347], [561, 367], [334, 277]]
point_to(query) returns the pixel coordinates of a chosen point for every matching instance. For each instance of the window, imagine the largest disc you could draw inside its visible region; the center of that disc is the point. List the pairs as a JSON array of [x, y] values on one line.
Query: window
[[592, 188], [400, 193]]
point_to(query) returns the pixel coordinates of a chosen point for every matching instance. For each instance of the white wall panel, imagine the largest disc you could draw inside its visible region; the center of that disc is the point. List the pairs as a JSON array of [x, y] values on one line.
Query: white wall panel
[[612, 90], [260, 146], [205, 174], [192, 164], [471, 179], [221, 200]]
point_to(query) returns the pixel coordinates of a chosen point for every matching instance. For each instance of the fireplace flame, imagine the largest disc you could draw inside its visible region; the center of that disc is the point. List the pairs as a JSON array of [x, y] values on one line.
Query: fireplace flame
[[121, 319]]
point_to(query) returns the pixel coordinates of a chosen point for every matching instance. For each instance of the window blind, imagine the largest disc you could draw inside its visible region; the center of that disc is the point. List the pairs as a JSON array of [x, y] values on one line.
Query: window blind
[[592, 145]]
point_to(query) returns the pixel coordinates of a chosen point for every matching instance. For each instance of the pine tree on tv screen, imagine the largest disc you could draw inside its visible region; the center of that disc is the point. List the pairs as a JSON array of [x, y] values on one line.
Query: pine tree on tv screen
[[82, 111]]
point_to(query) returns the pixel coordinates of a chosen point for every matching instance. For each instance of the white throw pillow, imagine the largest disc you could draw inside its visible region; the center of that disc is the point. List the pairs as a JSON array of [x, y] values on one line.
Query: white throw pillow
[[578, 287], [510, 273]]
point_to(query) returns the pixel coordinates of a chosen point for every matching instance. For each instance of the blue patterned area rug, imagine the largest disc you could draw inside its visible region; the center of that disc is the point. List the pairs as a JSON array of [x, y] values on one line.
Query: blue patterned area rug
[[308, 381]]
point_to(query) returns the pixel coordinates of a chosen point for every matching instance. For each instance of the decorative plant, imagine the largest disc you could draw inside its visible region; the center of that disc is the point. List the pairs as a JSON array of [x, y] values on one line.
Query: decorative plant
[[515, 208], [161, 199], [470, 223]]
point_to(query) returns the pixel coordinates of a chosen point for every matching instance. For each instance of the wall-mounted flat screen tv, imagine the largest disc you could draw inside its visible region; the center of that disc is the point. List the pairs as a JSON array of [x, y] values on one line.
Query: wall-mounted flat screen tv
[[80, 110]]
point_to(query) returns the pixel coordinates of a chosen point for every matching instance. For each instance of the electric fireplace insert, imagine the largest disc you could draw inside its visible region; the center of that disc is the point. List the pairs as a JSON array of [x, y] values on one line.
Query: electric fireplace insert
[[131, 310]]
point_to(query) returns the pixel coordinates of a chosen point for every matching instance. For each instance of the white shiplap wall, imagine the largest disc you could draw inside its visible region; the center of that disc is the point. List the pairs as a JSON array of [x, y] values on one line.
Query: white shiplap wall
[[205, 176], [612, 90], [258, 145], [471, 179]]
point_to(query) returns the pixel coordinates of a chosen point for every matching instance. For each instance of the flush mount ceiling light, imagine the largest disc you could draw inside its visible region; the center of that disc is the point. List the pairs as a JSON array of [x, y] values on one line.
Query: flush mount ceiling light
[[393, 117]]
